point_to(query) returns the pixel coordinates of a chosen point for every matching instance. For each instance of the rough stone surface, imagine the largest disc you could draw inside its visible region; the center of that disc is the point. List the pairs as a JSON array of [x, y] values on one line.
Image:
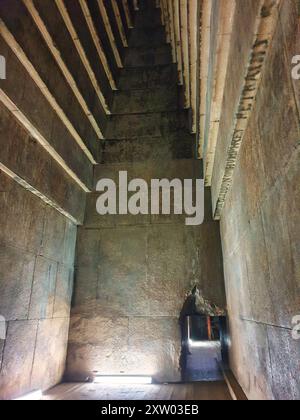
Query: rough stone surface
[[151, 56], [141, 101], [50, 353], [245, 17], [18, 355], [26, 158], [36, 108], [133, 272], [63, 292], [147, 36], [16, 273], [37, 240], [260, 229], [145, 125], [148, 78], [149, 148], [37, 246]]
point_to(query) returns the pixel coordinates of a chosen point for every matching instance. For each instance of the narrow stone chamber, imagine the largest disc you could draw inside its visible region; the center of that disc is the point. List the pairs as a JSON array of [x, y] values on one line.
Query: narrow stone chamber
[[132, 272], [93, 88]]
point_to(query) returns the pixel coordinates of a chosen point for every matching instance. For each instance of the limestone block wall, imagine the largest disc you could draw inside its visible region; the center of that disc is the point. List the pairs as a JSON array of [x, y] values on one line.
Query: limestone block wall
[[260, 225], [37, 247], [132, 273], [51, 120]]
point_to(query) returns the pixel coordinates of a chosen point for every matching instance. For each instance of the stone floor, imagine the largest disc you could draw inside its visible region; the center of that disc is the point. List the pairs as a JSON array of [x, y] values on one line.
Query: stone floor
[[213, 391]]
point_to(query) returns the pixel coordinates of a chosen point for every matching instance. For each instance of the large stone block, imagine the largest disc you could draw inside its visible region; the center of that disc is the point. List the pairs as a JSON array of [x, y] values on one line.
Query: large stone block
[[123, 285], [14, 84], [239, 299], [94, 220], [278, 116], [141, 101], [36, 107], [162, 149], [251, 170], [85, 288], [284, 284], [250, 358], [172, 169], [257, 365], [16, 278], [291, 201], [142, 18], [238, 351], [147, 37], [43, 289], [32, 103], [90, 352], [155, 346], [153, 56], [22, 216], [148, 77], [2, 341], [25, 157], [245, 17], [285, 357], [166, 270], [204, 262], [30, 40], [63, 292], [88, 247], [260, 284], [54, 235], [17, 359]]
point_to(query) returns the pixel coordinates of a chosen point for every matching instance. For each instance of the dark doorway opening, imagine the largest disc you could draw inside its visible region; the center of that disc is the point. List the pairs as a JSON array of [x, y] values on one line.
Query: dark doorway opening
[[204, 347]]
